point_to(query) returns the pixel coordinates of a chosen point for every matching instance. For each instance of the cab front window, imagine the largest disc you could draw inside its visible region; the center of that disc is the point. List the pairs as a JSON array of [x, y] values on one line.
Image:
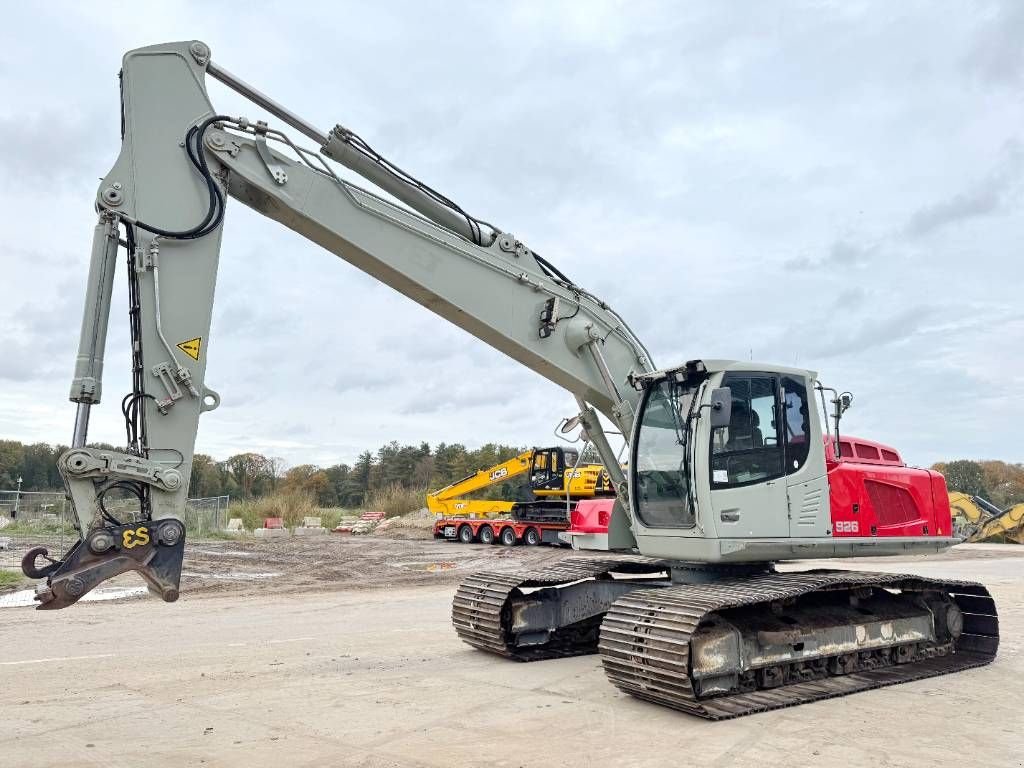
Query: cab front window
[[661, 486]]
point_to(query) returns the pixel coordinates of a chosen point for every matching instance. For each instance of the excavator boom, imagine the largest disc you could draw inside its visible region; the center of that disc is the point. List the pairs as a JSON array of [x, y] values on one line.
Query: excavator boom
[[168, 189], [451, 500]]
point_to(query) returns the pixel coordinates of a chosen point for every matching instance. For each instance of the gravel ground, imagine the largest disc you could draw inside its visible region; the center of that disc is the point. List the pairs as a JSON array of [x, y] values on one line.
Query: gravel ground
[[347, 658], [342, 562]]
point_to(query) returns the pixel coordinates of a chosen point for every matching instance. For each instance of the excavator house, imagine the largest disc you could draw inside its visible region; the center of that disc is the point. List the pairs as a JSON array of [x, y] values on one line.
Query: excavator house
[[733, 466]]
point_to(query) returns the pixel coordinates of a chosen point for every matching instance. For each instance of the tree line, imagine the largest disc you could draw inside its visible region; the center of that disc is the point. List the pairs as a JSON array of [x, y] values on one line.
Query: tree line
[[253, 475], [995, 481]]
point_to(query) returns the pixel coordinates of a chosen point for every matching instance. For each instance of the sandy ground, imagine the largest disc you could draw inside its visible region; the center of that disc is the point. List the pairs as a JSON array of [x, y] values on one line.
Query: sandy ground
[[347, 658]]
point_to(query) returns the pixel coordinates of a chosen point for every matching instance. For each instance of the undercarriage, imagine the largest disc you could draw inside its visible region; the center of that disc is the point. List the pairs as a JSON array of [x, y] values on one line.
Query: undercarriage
[[720, 643]]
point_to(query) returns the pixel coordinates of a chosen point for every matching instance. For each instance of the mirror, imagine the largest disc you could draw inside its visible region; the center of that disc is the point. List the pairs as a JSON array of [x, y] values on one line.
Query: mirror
[[568, 425], [845, 401], [721, 407]]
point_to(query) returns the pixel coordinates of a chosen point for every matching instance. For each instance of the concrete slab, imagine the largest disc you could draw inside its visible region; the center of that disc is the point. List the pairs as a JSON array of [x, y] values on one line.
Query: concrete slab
[[303, 531], [271, 533]]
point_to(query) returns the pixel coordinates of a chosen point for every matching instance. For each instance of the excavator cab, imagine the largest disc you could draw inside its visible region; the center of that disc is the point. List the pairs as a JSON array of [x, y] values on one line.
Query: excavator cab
[[549, 466], [749, 486]]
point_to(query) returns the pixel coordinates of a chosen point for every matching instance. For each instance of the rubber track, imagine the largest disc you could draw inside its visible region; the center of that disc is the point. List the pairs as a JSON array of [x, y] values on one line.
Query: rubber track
[[481, 609], [645, 639]]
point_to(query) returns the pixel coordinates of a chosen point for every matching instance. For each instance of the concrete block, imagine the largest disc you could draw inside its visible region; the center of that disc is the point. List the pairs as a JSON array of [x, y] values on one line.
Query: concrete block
[[235, 525], [312, 522], [270, 533], [310, 531]]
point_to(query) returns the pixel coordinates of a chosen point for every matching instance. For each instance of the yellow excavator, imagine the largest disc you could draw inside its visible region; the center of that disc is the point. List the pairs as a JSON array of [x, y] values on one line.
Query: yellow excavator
[[555, 477], [976, 519]]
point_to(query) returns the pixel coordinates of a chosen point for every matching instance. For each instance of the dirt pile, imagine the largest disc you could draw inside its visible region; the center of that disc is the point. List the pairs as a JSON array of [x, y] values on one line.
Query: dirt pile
[[418, 524]]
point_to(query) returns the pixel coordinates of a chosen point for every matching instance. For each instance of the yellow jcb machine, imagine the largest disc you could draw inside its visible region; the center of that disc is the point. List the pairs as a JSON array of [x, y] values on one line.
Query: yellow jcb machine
[[976, 519], [554, 479]]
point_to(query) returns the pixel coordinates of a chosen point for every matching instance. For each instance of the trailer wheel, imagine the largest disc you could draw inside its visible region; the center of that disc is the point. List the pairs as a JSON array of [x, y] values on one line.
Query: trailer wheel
[[508, 537], [531, 537], [486, 535], [466, 534]]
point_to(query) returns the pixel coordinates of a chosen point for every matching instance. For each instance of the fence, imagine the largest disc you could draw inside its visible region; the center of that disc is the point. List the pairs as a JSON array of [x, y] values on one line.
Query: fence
[[205, 516], [46, 519]]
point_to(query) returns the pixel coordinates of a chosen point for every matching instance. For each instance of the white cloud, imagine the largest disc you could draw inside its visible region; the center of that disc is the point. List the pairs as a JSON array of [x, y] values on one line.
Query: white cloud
[[749, 183]]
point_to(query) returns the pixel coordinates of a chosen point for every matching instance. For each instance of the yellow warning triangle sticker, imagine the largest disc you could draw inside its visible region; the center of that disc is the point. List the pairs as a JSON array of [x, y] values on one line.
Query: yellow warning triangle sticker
[[191, 347]]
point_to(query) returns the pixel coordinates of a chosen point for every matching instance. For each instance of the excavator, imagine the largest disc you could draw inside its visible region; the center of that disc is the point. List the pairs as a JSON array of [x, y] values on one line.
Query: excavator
[[977, 519], [556, 477], [732, 465]]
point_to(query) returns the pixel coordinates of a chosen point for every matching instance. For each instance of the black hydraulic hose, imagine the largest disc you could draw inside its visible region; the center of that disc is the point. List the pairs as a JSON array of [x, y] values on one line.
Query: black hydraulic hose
[[215, 211]]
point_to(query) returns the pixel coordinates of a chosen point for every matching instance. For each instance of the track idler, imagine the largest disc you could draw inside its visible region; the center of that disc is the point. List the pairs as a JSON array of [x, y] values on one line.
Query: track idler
[[154, 548]]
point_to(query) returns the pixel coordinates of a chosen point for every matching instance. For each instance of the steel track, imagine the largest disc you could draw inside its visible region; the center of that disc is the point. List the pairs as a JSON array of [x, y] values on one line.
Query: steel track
[[645, 638]]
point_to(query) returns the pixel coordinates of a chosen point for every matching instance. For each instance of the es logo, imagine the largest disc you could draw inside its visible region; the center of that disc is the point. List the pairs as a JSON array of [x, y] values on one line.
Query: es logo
[[135, 537]]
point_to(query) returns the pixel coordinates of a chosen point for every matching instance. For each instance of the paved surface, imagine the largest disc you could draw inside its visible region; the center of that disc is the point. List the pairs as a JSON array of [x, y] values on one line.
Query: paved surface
[[377, 678]]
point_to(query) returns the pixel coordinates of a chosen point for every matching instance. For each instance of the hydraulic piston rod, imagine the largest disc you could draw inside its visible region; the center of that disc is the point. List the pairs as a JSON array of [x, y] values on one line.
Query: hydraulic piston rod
[[337, 146]]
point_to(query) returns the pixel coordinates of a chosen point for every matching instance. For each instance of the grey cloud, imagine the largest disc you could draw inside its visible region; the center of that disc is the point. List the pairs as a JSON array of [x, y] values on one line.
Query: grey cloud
[[485, 388], [29, 156], [843, 253], [986, 197], [361, 377], [998, 56], [841, 338]]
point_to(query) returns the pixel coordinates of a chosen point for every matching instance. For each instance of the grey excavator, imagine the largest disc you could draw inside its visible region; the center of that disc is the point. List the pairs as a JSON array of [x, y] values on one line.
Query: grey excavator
[[733, 466]]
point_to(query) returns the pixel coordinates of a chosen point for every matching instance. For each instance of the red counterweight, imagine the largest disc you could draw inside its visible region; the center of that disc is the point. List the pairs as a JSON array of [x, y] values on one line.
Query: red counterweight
[[874, 493]]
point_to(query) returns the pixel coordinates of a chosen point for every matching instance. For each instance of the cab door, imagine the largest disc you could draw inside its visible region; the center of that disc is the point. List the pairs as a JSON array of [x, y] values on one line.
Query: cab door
[[806, 476], [748, 480], [545, 475]]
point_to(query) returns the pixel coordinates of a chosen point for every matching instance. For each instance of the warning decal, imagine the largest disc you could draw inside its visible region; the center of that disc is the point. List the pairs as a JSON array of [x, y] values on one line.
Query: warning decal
[[191, 347]]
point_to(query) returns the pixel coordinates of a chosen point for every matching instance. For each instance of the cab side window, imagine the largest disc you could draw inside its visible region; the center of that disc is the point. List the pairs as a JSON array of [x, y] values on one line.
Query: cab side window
[[796, 418], [749, 449]]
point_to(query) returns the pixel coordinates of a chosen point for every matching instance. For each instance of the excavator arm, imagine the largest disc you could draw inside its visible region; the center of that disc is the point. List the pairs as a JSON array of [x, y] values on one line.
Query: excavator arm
[[450, 499], [163, 204]]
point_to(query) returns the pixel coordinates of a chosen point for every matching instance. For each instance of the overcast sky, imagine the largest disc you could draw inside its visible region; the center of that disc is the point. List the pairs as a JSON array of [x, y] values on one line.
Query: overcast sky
[[832, 185]]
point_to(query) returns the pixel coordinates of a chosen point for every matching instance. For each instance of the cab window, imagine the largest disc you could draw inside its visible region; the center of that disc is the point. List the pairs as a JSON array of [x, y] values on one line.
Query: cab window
[[661, 480], [796, 415], [749, 449]]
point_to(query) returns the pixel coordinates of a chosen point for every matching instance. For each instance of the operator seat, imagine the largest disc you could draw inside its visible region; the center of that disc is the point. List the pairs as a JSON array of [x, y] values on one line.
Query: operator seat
[[744, 429]]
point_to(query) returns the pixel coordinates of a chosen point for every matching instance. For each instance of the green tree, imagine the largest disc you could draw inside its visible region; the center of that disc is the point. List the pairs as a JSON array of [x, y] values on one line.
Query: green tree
[[965, 476], [11, 454], [207, 479], [252, 473]]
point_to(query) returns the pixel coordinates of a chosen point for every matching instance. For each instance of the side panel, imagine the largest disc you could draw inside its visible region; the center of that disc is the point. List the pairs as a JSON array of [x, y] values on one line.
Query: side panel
[[807, 486], [885, 501]]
